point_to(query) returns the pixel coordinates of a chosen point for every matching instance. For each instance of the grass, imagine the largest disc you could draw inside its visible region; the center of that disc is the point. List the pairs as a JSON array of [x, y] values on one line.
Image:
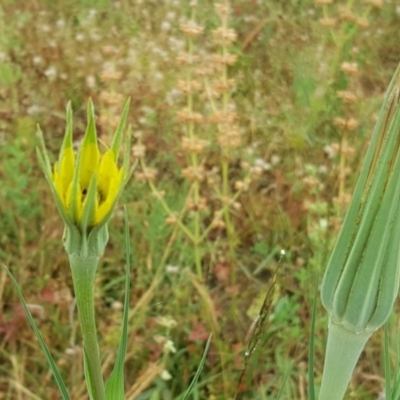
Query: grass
[[205, 246]]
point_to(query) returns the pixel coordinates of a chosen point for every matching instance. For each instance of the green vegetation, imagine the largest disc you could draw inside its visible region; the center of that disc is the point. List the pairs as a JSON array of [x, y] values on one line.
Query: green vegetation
[[249, 127]]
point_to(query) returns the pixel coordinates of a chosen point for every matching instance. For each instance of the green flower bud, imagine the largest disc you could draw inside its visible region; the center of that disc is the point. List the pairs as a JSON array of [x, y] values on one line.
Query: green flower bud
[[361, 281]]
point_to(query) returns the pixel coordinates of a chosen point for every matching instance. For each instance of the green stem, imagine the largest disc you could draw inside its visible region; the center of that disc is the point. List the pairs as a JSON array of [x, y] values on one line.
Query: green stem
[[83, 275], [195, 165], [342, 353], [226, 192]]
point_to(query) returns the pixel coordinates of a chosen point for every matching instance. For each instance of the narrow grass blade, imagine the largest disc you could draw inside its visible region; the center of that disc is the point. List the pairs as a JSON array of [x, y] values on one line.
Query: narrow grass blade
[[115, 384], [198, 372], [45, 349], [386, 355], [311, 387], [285, 378]]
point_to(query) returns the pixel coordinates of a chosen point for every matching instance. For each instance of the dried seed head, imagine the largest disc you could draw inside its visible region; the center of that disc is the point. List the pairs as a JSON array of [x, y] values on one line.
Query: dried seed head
[[188, 87], [224, 36], [166, 322], [108, 121], [191, 28], [222, 9], [213, 178], [205, 70], [339, 122], [236, 205], [376, 3], [346, 15], [343, 173], [222, 86], [327, 22], [110, 74], [244, 165], [349, 68], [223, 117], [311, 181], [148, 174], [335, 147], [218, 224], [139, 150], [362, 22], [139, 176], [185, 116], [348, 151], [343, 200], [200, 206], [256, 170], [230, 139], [194, 173], [171, 220], [189, 203], [111, 98], [225, 59], [109, 50], [347, 96], [186, 59], [193, 145], [350, 124], [241, 186]]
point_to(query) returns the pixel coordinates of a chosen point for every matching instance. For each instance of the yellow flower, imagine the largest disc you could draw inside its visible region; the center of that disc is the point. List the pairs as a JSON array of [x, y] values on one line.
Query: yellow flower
[[86, 186]]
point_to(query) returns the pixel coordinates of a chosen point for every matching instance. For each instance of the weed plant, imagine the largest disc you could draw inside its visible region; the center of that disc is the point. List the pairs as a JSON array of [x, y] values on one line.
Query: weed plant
[[250, 120]]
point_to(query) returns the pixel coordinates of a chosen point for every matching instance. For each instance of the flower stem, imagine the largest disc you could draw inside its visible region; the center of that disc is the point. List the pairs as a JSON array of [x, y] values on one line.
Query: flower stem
[[194, 160], [83, 275], [342, 353]]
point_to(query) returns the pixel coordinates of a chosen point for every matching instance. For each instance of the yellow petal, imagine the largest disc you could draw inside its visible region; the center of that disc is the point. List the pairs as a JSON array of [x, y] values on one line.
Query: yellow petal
[[66, 169], [113, 190], [108, 171], [63, 172], [89, 163]]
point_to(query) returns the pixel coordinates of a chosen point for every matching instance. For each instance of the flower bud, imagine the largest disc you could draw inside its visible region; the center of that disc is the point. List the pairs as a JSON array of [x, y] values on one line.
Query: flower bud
[[86, 185]]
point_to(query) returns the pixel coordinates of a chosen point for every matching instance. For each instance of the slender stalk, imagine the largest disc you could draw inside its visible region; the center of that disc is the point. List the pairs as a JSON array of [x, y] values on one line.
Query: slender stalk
[[226, 191], [342, 353], [83, 274], [342, 171], [195, 164]]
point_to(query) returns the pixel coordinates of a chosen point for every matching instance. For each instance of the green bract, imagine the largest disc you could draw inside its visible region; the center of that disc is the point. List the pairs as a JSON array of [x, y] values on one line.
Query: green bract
[[361, 281]]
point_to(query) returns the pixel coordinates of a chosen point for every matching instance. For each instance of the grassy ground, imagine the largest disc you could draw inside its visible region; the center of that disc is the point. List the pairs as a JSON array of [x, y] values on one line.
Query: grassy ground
[[249, 130]]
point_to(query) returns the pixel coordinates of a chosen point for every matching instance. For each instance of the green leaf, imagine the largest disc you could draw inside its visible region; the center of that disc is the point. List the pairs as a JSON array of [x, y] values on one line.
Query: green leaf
[[90, 133], [198, 372], [45, 349], [47, 170], [115, 384], [388, 372], [116, 143], [311, 347], [284, 380]]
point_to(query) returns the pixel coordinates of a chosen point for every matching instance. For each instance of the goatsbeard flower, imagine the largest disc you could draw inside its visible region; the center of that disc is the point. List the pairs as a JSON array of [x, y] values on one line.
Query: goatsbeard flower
[[86, 185]]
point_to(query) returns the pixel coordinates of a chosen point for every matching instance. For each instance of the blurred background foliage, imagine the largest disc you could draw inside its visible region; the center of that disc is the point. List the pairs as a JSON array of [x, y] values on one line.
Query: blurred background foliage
[[304, 89]]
